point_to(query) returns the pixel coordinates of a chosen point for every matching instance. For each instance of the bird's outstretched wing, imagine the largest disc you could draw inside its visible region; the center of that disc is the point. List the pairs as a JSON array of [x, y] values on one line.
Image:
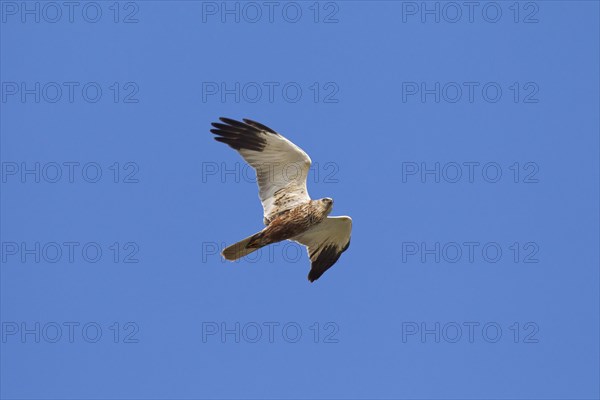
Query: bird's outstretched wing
[[281, 166], [325, 243]]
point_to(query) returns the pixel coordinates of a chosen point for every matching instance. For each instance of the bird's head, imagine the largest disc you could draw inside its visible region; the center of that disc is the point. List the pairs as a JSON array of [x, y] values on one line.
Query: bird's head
[[327, 203]]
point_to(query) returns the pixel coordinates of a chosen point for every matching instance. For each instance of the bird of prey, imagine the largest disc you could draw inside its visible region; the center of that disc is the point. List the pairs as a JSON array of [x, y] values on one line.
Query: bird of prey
[[289, 213]]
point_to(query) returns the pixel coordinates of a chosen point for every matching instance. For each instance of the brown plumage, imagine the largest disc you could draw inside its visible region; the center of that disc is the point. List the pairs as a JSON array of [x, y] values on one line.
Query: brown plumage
[[289, 212], [287, 225]]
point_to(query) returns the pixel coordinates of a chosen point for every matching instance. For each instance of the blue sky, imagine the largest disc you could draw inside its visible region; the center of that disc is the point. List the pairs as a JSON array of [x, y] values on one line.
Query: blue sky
[[462, 140]]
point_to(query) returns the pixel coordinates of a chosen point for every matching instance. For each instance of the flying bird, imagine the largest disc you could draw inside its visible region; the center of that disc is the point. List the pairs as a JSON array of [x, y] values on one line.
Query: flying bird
[[288, 211]]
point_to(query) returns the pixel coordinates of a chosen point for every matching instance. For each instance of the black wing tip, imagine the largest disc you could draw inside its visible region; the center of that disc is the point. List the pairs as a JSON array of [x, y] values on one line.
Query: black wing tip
[[219, 125], [347, 245], [246, 124], [240, 144], [259, 125], [230, 121], [238, 135], [313, 275], [326, 259]]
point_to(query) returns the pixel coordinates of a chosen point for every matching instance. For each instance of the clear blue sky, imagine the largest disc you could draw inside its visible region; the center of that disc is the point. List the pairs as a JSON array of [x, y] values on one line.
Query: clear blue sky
[[462, 141]]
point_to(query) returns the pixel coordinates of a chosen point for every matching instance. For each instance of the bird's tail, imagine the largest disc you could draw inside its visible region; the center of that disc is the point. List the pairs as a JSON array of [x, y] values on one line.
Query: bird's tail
[[245, 247]]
